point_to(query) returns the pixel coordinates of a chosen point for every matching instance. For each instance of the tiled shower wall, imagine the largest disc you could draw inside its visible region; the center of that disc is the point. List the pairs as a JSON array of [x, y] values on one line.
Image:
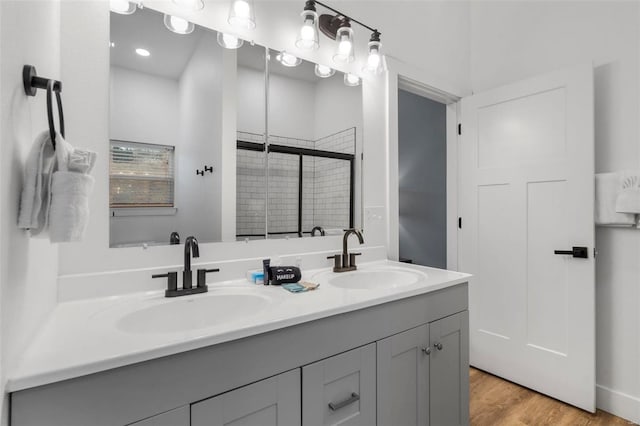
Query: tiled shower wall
[[325, 191]]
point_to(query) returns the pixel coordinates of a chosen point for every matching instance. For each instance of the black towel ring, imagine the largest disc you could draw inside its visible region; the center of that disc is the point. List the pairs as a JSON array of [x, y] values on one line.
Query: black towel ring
[[31, 83], [52, 127]]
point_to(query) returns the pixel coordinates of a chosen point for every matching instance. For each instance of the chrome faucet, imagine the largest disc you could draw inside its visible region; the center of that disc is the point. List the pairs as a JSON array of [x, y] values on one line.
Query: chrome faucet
[[190, 248], [347, 261], [320, 229]]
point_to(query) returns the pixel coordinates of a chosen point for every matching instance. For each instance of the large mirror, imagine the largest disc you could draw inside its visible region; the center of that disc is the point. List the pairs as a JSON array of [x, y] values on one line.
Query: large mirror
[[188, 120]]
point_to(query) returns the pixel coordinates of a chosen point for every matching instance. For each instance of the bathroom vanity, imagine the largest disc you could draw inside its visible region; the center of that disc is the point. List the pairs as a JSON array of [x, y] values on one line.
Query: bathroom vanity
[[386, 344]]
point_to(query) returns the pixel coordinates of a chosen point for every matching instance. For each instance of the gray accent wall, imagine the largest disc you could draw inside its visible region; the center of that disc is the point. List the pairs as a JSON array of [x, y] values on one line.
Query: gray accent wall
[[422, 156]]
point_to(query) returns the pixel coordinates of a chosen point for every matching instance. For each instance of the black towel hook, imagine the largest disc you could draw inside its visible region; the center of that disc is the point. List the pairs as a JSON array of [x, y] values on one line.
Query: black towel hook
[[32, 83]]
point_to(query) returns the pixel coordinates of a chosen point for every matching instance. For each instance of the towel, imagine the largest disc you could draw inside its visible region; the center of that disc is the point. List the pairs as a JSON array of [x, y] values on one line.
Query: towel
[[69, 212], [71, 187], [628, 199], [608, 185], [34, 201]]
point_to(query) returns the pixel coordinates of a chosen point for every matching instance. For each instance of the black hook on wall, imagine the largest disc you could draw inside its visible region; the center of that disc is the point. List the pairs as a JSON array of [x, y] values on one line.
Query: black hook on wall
[[200, 172], [208, 169], [32, 83]]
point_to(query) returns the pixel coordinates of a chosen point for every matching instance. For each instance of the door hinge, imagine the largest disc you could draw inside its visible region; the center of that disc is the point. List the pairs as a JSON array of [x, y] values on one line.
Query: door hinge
[[459, 128], [460, 223]]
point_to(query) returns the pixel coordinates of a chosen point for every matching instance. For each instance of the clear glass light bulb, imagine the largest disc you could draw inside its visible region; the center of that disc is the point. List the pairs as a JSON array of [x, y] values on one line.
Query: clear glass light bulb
[[344, 48], [179, 24], [229, 41], [351, 79], [306, 32], [373, 61], [123, 7], [324, 71], [242, 9], [119, 5]]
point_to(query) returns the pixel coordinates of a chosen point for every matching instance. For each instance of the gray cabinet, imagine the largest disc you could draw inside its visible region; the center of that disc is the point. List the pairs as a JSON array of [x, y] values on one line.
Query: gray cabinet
[[423, 375], [449, 371], [341, 390], [374, 349], [270, 402], [178, 417], [403, 378]]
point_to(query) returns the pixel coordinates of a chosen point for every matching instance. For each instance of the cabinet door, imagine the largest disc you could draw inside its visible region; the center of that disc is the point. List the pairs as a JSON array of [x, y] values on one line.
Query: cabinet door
[[271, 402], [341, 390], [177, 417], [449, 366], [403, 378]]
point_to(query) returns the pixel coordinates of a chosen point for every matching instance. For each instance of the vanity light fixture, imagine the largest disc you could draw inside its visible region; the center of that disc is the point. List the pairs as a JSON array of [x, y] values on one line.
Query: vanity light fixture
[[178, 25], [308, 35], [287, 59], [324, 71], [229, 41], [351, 80], [241, 14], [123, 7], [338, 26], [143, 52], [189, 5], [375, 59]]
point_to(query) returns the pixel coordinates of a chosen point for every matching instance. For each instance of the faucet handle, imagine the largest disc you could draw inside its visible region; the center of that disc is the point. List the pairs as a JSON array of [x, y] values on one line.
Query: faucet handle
[[337, 261], [172, 280], [352, 258], [202, 276]]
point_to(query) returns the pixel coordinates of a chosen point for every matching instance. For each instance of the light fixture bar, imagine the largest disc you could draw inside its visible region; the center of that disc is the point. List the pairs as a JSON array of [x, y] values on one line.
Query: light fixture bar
[[337, 12]]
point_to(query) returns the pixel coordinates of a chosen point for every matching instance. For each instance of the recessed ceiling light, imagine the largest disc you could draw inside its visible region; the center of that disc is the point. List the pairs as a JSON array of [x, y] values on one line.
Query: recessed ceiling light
[[143, 52], [112, 44]]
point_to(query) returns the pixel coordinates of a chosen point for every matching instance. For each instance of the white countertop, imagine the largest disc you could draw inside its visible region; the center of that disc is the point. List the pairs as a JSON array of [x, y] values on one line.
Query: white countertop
[[83, 337]]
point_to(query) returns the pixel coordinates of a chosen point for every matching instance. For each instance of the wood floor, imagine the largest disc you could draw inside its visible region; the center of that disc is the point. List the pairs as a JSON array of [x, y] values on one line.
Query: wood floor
[[495, 402]]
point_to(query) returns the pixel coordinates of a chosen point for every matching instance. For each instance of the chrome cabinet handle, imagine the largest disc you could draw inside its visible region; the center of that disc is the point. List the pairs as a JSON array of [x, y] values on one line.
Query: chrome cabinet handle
[[338, 405], [426, 350], [438, 346]]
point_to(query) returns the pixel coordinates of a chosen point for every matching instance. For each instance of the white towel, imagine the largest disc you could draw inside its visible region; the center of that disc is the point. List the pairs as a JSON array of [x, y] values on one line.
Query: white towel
[[608, 185], [628, 199], [70, 191], [34, 202], [69, 212]]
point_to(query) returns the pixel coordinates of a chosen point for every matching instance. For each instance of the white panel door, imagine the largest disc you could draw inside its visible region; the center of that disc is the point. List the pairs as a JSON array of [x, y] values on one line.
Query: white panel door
[[527, 190]]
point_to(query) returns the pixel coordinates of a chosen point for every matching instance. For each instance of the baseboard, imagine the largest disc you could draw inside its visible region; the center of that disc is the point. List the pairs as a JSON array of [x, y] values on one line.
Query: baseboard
[[618, 403]]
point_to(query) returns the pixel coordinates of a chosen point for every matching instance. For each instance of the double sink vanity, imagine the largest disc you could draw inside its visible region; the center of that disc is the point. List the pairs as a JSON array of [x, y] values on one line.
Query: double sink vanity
[[385, 344]]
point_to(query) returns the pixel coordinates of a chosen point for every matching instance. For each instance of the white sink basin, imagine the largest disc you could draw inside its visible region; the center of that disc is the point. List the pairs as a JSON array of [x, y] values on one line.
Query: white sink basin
[[370, 279], [193, 312]]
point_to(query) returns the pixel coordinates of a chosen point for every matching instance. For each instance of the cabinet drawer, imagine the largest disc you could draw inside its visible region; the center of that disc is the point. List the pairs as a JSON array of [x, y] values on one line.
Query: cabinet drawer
[[270, 402], [341, 390]]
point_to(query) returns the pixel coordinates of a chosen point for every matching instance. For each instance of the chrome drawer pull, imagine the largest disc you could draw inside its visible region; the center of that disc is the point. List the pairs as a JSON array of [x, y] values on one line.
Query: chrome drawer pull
[[335, 407]]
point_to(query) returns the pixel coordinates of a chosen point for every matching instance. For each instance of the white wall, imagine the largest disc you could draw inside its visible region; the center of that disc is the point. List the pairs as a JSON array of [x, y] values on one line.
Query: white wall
[[516, 40], [198, 197], [29, 34], [291, 107], [250, 100], [143, 108]]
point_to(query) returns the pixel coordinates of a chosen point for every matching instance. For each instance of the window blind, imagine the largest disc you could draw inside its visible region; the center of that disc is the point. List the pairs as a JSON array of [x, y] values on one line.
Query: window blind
[[141, 175]]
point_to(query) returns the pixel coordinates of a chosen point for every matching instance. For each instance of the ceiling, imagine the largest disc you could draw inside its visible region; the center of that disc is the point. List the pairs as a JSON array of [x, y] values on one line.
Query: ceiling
[[170, 52]]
